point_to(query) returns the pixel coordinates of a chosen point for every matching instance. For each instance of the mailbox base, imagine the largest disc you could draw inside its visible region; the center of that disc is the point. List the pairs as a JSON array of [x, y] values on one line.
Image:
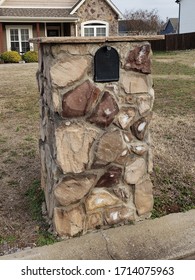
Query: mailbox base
[[95, 143]]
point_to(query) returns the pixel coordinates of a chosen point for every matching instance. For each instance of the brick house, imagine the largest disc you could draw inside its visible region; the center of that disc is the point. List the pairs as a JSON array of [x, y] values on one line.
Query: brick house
[[21, 20]]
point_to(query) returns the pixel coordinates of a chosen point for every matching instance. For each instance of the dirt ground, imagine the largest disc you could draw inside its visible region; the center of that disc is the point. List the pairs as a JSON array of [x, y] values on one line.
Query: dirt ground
[[172, 129], [19, 158]]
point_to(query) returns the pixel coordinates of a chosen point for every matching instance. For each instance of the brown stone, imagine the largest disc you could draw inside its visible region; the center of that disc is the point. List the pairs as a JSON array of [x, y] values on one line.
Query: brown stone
[[143, 197], [110, 178], [68, 223], [79, 101], [139, 127], [110, 146], [139, 60], [73, 189], [135, 171], [105, 111], [94, 220], [119, 215], [100, 198]]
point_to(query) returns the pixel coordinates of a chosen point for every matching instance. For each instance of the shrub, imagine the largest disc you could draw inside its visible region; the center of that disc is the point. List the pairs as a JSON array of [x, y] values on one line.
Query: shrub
[[30, 56], [11, 57]]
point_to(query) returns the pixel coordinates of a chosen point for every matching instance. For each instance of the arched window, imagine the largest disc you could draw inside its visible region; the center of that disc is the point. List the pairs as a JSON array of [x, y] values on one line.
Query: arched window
[[94, 28]]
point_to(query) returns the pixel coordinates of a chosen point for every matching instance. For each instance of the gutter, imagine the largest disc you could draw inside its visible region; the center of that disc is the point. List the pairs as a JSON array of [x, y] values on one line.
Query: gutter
[[38, 19]]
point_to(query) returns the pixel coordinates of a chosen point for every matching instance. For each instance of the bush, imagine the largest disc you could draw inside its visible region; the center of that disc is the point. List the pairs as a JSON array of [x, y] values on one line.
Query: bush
[[11, 57], [30, 56]]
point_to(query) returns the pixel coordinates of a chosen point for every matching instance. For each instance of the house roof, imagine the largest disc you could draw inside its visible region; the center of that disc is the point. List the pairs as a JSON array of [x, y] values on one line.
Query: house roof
[[34, 12], [40, 10], [174, 22], [38, 3]]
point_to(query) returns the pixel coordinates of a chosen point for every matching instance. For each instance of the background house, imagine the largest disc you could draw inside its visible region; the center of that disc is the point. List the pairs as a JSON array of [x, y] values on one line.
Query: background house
[[21, 20], [186, 16], [130, 27], [171, 27]]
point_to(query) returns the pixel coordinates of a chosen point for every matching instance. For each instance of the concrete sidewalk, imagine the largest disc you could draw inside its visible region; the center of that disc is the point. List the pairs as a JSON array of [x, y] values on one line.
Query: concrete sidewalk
[[169, 237]]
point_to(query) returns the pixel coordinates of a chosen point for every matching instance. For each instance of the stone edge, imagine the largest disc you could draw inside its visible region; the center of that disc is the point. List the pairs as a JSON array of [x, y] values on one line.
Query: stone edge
[[80, 40]]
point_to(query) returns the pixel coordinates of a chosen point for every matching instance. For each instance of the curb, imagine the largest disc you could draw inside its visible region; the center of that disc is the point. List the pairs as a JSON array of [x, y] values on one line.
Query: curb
[[171, 237]]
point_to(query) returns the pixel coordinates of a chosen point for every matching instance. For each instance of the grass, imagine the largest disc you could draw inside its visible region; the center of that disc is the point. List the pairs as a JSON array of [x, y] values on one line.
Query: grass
[[173, 131], [35, 196], [3, 139], [159, 54], [174, 68], [8, 239], [174, 97], [175, 193]]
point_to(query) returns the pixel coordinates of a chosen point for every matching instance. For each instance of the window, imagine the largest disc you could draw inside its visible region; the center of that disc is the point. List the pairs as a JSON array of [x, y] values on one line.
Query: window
[[18, 38], [94, 28]]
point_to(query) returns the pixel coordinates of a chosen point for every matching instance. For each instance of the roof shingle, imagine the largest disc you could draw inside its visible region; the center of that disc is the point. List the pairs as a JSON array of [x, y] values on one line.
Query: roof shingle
[[34, 12]]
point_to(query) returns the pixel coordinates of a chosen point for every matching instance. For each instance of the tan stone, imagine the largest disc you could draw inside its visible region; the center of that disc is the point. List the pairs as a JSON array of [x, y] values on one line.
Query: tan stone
[[134, 82], [119, 215], [110, 146], [62, 49], [64, 73], [152, 95], [150, 161], [125, 117], [72, 145], [123, 192], [57, 101], [143, 197], [94, 220], [68, 223], [73, 189], [139, 147], [144, 103], [135, 171], [100, 198]]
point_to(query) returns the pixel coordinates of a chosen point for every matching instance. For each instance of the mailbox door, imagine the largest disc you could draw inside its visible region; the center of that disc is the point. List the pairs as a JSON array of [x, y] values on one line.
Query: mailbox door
[[106, 65]]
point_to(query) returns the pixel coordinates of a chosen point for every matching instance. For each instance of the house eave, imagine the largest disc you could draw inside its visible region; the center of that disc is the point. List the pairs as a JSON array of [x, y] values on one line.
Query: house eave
[[38, 19], [35, 7], [117, 11]]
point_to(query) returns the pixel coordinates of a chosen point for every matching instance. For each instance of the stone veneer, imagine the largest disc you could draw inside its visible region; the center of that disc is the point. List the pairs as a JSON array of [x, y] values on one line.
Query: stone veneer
[[101, 12], [95, 144]]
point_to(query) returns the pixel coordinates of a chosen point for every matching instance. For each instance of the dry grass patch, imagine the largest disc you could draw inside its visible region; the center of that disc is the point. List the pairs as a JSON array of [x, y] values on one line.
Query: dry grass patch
[[19, 156], [173, 132], [172, 129]]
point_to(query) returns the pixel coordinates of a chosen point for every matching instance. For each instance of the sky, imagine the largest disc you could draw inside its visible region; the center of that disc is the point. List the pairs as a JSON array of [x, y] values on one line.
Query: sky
[[166, 8]]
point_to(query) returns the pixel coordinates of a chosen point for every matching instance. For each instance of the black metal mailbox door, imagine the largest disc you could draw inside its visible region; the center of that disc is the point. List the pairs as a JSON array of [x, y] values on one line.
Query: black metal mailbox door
[[106, 65]]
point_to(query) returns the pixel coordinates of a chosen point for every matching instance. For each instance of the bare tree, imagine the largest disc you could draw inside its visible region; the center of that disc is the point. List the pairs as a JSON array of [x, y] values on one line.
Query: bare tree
[[142, 21]]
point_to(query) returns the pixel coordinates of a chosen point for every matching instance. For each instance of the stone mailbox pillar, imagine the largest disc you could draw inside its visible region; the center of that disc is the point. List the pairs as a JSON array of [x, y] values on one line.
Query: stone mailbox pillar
[[95, 143]]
